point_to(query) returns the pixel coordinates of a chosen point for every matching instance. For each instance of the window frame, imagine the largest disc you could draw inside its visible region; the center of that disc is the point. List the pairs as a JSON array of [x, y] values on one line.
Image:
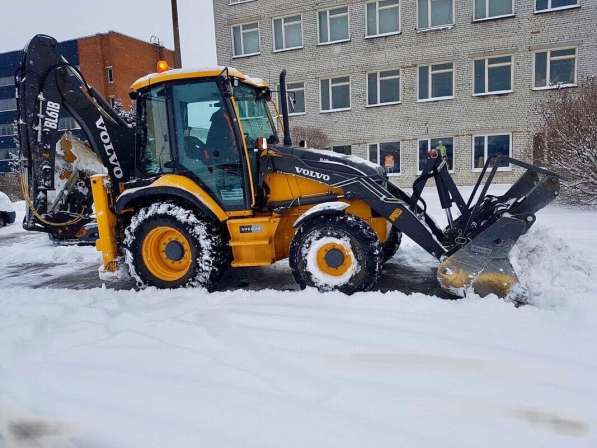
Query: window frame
[[485, 135], [379, 104], [327, 111], [550, 9], [327, 10], [430, 82], [109, 74], [503, 16], [241, 25], [497, 92], [549, 86], [428, 139], [302, 45], [434, 28], [288, 90], [238, 2], [378, 34], [378, 145]]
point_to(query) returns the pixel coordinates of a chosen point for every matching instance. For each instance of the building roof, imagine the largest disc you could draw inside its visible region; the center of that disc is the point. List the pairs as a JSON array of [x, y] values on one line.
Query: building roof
[[208, 72]]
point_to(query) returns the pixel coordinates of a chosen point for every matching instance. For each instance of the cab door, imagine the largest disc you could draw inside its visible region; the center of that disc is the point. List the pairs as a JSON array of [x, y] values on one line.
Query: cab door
[[207, 143]]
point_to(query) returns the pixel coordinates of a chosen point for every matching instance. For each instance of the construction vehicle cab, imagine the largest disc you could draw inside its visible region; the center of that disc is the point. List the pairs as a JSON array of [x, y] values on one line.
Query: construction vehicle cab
[[202, 183]]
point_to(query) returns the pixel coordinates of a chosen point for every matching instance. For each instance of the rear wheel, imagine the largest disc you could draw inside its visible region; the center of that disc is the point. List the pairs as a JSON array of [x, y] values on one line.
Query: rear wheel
[[335, 252], [168, 246]]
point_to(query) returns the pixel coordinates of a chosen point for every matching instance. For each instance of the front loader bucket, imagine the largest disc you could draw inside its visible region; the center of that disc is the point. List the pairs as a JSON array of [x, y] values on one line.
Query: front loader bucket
[[483, 264]]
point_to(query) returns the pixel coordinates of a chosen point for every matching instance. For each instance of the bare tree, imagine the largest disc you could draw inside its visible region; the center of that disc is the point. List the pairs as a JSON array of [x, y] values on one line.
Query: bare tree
[[314, 137], [568, 140]]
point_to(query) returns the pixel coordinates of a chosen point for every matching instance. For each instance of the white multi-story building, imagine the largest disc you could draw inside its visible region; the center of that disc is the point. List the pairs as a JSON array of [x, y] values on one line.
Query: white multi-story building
[[388, 79]]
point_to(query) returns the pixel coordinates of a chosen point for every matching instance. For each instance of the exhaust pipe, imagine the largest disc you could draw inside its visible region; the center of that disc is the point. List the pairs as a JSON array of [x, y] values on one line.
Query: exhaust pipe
[[284, 105]]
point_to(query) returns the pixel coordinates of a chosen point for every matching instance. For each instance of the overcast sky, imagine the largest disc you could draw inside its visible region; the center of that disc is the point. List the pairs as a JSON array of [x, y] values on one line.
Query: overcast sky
[[68, 19]]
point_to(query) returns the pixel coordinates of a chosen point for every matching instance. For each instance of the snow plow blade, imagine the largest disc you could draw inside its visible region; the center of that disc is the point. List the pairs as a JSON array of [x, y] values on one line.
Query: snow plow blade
[[482, 264]]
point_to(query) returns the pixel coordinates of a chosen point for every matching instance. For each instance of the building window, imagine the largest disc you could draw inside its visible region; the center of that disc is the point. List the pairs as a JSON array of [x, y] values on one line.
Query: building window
[[386, 155], [7, 104], [245, 39], [439, 144], [110, 75], [493, 75], [288, 33], [7, 129], [492, 9], [487, 146], [436, 82], [383, 18], [434, 14], [68, 123], [335, 94], [296, 98], [6, 81], [554, 5], [342, 149], [555, 68], [383, 88], [334, 25]]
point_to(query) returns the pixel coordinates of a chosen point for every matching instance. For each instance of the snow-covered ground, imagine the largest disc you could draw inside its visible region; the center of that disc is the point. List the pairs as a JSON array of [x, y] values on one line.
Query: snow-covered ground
[[255, 367]]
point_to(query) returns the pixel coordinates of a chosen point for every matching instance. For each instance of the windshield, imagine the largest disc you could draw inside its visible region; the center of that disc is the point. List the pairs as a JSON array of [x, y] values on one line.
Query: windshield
[[254, 115]]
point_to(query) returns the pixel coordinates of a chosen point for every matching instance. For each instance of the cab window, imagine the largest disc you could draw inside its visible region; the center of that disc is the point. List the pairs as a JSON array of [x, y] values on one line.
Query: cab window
[[206, 142], [254, 115], [156, 156]]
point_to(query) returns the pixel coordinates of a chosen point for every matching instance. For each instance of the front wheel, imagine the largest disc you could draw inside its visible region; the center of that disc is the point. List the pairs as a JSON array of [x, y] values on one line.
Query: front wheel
[[336, 252], [169, 246]]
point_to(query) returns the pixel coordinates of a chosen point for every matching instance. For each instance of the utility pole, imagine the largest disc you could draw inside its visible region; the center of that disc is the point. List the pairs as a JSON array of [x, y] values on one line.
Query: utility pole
[[176, 32]]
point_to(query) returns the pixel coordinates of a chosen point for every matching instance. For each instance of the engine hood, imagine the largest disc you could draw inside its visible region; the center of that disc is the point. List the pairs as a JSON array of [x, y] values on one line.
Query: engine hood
[[326, 160]]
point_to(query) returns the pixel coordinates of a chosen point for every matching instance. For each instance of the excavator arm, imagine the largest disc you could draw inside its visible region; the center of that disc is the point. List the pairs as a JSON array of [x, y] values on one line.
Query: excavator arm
[[48, 89]]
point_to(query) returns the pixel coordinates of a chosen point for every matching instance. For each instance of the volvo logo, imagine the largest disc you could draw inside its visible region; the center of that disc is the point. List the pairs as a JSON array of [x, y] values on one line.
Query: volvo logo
[[109, 148], [311, 173]]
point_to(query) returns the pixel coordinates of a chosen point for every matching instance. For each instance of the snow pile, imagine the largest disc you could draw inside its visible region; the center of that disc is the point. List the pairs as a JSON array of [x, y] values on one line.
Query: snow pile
[[551, 273]]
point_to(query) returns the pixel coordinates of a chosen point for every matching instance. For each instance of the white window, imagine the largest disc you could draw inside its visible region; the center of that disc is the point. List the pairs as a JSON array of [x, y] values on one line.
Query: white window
[[245, 39], [6, 81], [288, 33], [7, 129], [296, 98], [334, 25], [555, 68], [493, 75], [492, 9], [387, 155], [383, 18], [335, 94], [434, 14], [110, 75], [490, 145], [8, 104], [435, 82], [443, 145], [554, 5], [67, 124], [383, 88]]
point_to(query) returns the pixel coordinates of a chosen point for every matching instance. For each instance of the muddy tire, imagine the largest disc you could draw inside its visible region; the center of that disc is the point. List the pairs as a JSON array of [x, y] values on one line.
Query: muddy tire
[[391, 244], [169, 246], [335, 252]]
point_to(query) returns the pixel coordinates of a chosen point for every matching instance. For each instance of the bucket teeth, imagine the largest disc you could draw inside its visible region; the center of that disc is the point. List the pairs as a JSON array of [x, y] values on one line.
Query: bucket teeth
[[483, 264]]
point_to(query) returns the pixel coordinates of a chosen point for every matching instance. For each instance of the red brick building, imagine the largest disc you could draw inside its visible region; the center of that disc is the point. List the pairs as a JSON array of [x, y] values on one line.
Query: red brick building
[[112, 61]]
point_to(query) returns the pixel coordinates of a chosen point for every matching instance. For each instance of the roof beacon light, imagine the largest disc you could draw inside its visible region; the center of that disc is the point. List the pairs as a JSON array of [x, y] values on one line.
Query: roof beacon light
[[162, 66]]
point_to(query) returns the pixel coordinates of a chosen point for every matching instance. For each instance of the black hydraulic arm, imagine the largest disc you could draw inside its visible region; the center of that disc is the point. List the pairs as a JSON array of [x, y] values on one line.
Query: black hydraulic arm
[[50, 88]]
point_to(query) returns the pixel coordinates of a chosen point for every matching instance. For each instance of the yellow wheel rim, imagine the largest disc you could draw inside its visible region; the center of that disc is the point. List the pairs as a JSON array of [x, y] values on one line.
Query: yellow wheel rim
[[334, 259], [167, 253]]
